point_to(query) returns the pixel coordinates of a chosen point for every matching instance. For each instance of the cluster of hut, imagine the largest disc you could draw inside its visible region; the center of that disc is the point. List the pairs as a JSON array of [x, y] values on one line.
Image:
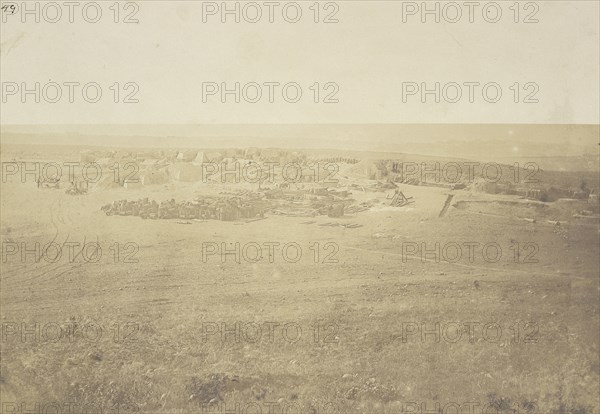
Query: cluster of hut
[[163, 166], [220, 209]]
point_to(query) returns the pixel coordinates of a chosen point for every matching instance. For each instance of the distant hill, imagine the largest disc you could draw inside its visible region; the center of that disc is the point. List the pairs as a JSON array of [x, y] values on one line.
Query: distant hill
[[551, 147]]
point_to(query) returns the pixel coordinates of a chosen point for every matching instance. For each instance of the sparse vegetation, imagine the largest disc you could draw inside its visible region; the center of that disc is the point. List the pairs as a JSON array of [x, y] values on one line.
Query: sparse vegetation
[[358, 363]]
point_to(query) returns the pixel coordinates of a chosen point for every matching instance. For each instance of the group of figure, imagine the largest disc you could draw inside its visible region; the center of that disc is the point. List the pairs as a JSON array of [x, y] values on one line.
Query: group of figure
[[222, 209]]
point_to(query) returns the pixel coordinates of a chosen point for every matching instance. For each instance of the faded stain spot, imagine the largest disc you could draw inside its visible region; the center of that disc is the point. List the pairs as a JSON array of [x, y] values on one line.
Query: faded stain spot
[[11, 43], [251, 47], [183, 11]]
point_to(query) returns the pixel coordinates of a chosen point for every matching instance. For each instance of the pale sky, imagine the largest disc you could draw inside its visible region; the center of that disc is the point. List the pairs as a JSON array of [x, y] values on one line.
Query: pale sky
[[499, 140], [370, 54]]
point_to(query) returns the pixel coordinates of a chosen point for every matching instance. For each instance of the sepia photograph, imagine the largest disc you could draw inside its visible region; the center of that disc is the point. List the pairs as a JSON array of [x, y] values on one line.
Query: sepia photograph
[[300, 207], [378, 272]]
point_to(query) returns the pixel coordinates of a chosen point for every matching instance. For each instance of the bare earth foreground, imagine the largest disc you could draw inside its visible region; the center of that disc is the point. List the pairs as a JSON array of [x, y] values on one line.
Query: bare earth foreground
[[163, 329]]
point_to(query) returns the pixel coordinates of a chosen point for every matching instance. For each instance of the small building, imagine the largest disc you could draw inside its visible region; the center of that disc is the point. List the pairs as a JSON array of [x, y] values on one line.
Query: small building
[[200, 158], [186, 156]]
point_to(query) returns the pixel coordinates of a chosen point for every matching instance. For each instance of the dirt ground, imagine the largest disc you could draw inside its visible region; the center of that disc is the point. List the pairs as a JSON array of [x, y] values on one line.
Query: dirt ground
[[359, 323]]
